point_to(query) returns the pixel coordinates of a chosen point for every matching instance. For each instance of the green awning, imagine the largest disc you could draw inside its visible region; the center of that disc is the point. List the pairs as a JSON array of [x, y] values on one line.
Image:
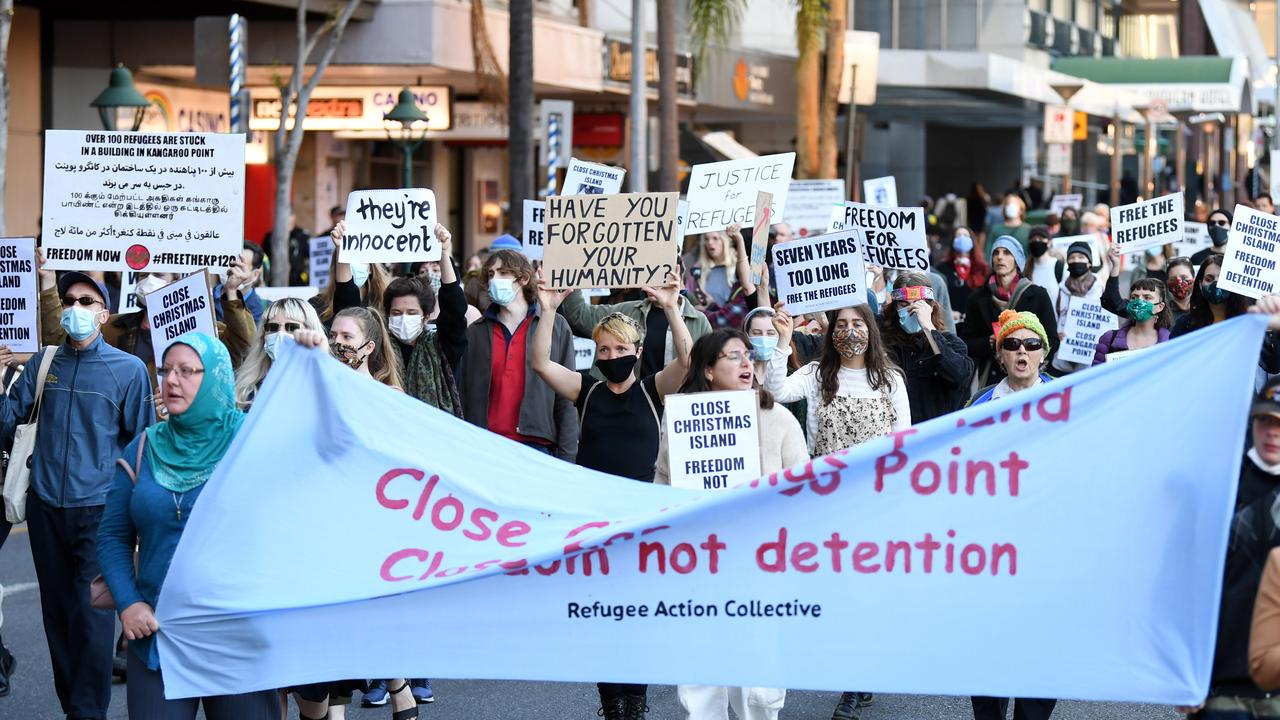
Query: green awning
[[1187, 84]]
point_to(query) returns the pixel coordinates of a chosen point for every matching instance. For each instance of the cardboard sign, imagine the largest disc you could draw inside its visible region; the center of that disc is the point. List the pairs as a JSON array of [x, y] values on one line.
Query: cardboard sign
[[1253, 247], [1095, 246], [820, 272], [724, 193], [1063, 201], [321, 261], [180, 307], [809, 204], [159, 202], [881, 191], [584, 353], [585, 178], [889, 237], [713, 442], [19, 303], [1086, 321], [390, 226], [613, 241], [128, 300], [1148, 223], [760, 234], [534, 214]]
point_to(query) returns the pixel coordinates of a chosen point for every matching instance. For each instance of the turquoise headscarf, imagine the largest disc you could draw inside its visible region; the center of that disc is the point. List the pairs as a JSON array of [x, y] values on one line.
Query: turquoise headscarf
[[184, 449]]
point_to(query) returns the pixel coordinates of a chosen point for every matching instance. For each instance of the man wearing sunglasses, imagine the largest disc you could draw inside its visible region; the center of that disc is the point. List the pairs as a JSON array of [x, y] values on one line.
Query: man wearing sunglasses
[[96, 400], [1219, 226]]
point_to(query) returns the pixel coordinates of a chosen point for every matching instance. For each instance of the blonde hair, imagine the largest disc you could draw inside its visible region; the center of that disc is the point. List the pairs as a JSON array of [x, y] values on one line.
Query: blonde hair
[[620, 326], [370, 293], [255, 366], [705, 262], [383, 365]]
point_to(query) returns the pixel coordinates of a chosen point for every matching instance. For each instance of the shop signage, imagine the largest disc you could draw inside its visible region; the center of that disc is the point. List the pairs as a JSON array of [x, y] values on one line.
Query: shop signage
[[353, 108]]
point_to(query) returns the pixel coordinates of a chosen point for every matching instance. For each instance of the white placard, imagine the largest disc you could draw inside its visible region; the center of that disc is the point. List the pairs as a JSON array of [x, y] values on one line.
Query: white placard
[[1148, 223], [889, 237], [128, 300], [809, 204], [596, 292], [682, 216], [587, 178], [1062, 201], [820, 272], [390, 226], [159, 202], [19, 303], [1057, 159], [713, 441], [1061, 244], [1119, 355], [1059, 124], [584, 353], [180, 307], [724, 193], [535, 212], [1195, 237], [1252, 250], [881, 191], [321, 261], [1086, 321]]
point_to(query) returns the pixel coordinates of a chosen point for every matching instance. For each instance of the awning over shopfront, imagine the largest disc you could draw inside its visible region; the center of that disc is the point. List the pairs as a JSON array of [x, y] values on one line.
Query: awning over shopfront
[[1235, 32], [724, 144], [1186, 84]]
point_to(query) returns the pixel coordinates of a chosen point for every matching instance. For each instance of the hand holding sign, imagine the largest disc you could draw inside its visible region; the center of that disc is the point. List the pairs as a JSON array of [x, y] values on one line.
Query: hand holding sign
[[667, 296], [549, 298]]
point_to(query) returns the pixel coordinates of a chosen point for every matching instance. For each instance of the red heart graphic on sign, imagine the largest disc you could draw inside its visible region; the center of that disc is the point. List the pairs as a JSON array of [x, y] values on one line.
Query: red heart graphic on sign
[[137, 257]]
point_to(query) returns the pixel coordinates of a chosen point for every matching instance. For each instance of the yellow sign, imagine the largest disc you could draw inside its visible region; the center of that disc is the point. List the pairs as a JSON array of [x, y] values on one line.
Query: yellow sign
[[1080, 130]]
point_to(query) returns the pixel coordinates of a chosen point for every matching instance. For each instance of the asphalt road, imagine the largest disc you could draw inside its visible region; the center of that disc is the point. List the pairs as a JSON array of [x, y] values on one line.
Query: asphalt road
[[33, 697]]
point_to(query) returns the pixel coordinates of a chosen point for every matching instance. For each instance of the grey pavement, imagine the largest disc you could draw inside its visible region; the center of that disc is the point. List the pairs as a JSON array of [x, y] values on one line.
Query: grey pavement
[[33, 697]]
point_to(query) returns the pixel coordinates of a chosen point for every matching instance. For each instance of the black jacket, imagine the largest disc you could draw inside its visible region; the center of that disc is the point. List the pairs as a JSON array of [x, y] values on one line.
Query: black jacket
[[936, 384], [981, 312]]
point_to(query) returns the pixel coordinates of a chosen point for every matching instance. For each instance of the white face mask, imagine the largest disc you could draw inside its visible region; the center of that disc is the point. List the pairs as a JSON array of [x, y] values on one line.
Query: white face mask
[[146, 286], [1011, 210], [406, 328]]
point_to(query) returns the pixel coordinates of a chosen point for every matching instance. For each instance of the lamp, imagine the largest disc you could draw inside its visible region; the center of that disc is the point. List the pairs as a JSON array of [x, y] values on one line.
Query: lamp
[[119, 100], [406, 114]]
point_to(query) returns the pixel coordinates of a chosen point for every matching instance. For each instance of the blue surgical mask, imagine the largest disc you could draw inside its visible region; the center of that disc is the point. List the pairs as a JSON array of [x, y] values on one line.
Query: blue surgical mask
[[962, 243], [79, 323], [908, 320], [502, 290], [271, 343], [359, 274], [762, 347]]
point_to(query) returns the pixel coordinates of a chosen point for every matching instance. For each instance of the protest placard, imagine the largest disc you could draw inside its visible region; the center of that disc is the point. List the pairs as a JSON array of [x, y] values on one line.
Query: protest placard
[[1085, 323], [160, 202], [1148, 223], [1062, 201], [1195, 237], [1062, 243], [390, 226], [682, 216], [180, 307], [809, 205], [584, 353], [724, 193], [534, 213], [881, 191], [889, 237], [1120, 355], [19, 306], [613, 241], [1253, 247], [760, 234], [713, 442], [321, 261], [587, 178], [128, 300], [820, 272]]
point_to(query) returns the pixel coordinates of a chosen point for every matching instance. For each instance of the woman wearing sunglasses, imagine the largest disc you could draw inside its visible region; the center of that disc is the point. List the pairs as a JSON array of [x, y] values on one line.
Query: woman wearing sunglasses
[[1021, 346], [935, 362], [283, 317]]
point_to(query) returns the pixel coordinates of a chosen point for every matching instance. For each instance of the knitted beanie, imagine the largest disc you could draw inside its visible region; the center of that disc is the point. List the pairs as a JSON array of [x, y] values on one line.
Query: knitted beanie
[[1011, 320]]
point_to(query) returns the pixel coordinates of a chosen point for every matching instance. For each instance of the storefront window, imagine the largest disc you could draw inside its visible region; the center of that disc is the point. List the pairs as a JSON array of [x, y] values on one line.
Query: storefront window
[[1084, 13], [1108, 25]]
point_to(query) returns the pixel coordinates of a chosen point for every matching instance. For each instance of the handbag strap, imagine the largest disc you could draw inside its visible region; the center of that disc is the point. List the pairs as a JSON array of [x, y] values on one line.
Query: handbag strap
[[46, 361], [134, 471]]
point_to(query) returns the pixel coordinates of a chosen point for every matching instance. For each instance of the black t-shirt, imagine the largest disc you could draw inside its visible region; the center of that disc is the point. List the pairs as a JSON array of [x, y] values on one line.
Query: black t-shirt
[[653, 354], [619, 432]]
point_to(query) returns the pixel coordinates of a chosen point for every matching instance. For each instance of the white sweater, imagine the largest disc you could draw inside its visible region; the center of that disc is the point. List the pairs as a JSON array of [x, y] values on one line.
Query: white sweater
[[803, 384]]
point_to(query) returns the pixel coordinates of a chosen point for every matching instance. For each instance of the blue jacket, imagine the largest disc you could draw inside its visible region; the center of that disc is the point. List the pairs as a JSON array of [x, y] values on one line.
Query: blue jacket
[[986, 393], [95, 402]]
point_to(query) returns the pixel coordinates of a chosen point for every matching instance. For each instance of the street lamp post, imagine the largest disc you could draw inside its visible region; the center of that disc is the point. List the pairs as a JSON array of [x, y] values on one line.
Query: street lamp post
[[405, 114], [120, 99]]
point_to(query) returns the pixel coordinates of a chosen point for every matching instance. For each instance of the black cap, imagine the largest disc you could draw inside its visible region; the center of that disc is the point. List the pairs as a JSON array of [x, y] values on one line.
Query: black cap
[[1267, 401], [1081, 247], [67, 279], [1041, 231]]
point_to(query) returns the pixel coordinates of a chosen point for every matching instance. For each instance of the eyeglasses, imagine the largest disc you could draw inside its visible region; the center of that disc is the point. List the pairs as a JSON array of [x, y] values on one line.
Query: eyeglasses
[[84, 300], [1220, 223], [273, 327], [184, 373], [1029, 344], [737, 358]]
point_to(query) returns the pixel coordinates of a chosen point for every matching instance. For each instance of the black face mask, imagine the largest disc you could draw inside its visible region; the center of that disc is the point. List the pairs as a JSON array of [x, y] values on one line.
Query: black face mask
[[1039, 247], [1218, 235], [1077, 269], [618, 369]]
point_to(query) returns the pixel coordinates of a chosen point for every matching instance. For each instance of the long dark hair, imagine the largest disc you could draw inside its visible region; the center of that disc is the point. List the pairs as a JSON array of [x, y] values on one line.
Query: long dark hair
[[879, 366], [1164, 318], [706, 353], [891, 327], [1200, 312]]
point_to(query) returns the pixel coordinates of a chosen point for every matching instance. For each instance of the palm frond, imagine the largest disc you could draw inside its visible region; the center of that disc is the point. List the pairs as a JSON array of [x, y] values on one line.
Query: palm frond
[[491, 82], [713, 21]]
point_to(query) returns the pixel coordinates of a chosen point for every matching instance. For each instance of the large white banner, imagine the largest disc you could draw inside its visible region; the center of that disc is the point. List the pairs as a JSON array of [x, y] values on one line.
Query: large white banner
[[918, 548], [159, 202], [724, 193]]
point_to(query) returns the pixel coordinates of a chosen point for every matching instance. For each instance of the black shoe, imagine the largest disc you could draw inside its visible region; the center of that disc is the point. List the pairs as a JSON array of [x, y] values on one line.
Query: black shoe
[[120, 662], [847, 708], [8, 663], [866, 700], [615, 708], [636, 707]]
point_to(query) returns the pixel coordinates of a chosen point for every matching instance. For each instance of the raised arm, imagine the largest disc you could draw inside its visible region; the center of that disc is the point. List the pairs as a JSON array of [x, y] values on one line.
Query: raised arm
[[786, 388], [451, 323], [565, 382], [734, 232], [341, 271], [668, 298]]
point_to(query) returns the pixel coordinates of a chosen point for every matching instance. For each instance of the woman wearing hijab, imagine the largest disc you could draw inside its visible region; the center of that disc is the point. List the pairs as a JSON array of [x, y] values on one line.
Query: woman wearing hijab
[[154, 491]]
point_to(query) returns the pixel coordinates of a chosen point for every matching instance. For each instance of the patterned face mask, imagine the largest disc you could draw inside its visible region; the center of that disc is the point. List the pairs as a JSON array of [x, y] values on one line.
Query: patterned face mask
[[849, 343], [347, 355]]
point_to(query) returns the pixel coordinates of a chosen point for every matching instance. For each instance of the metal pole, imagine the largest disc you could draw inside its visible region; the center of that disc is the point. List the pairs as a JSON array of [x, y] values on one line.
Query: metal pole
[[1149, 160], [1180, 155], [850, 158], [1117, 133], [639, 165], [553, 150], [406, 169]]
